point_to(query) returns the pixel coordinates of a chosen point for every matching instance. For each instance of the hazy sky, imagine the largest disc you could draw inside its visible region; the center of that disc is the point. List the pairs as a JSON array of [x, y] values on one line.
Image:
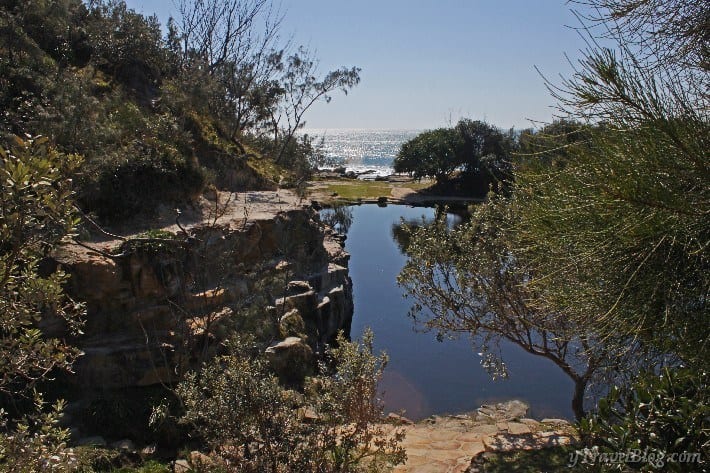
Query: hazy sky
[[426, 63]]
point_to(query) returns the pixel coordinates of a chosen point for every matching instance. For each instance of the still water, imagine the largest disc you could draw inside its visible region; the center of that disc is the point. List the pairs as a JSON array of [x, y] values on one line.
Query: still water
[[425, 376]]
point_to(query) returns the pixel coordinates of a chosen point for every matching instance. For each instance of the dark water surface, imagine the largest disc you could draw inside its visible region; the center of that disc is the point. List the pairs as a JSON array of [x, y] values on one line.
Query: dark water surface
[[425, 376]]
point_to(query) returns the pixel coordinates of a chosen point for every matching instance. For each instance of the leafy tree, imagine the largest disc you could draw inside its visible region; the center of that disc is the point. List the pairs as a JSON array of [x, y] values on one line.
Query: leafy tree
[[301, 88], [485, 155], [436, 153], [467, 280], [36, 213], [481, 152]]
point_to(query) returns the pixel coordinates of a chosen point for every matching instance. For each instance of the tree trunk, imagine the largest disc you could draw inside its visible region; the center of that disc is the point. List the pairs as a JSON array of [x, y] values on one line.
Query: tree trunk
[[580, 386]]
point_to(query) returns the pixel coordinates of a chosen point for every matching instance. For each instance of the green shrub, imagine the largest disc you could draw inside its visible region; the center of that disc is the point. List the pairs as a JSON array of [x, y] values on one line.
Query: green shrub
[[253, 424], [662, 415], [139, 185]]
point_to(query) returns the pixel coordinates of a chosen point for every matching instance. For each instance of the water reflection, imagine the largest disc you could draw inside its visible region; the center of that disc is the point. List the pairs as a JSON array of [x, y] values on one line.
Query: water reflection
[[339, 217], [403, 230], [425, 376]]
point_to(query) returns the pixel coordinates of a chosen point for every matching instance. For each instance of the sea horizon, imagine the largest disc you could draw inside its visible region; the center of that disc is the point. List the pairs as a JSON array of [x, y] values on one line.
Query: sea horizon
[[361, 150]]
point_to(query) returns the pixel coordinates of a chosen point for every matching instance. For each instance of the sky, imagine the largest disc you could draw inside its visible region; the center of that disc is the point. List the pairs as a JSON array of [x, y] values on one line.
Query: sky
[[428, 63]]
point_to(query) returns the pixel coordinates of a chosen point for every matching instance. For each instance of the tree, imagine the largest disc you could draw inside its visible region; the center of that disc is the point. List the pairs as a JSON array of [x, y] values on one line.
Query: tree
[[671, 34], [617, 233], [300, 90], [467, 280], [436, 153], [36, 213], [481, 152], [486, 155]]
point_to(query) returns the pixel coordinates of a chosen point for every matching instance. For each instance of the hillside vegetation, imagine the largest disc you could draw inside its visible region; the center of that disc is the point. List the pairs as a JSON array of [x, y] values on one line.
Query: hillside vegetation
[[157, 118]]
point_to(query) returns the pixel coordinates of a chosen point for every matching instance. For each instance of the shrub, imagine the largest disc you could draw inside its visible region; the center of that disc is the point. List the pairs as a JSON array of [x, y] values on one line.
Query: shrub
[[253, 424], [35, 214], [662, 415], [35, 443], [140, 185]]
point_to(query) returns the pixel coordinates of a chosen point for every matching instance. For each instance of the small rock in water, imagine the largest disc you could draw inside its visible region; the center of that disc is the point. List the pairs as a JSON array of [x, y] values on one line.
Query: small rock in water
[[96, 441], [125, 445]]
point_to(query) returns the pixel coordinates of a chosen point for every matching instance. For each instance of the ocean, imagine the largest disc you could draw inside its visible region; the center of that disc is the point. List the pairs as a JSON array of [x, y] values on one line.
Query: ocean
[[362, 150]]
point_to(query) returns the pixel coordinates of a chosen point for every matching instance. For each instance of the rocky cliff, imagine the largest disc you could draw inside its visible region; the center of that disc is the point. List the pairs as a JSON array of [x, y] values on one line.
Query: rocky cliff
[[160, 303]]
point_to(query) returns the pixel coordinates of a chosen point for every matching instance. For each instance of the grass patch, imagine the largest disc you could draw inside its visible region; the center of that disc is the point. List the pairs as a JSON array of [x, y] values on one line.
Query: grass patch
[[358, 189], [354, 189]]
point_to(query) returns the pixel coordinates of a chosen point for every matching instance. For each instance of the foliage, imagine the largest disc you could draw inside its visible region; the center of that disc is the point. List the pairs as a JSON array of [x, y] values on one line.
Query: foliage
[[36, 443], [618, 235], [301, 89], [153, 117], [35, 214], [660, 415], [468, 280], [671, 34], [434, 153], [479, 150], [254, 424], [530, 461]]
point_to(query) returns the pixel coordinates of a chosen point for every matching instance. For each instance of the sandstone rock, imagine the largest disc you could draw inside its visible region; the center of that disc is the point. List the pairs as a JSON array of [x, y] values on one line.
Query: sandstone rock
[[555, 421], [291, 359], [199, 460], [297, 287], [181, 466], [306, 303], [209, 299], [515, 409], [398, 419], [95, 279], [517, 428], [292, 324]]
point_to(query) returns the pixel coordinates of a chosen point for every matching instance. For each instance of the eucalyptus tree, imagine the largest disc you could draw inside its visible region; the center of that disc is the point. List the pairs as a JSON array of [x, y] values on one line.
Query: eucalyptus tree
[[302, 86]]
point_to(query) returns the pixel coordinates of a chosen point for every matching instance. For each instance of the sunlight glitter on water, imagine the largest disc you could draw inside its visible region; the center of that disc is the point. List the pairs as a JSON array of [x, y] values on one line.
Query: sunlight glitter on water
[[362, 150]]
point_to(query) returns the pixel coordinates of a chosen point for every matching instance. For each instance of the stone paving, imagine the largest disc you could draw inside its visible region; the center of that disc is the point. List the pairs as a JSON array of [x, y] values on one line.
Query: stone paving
[[447, 444]]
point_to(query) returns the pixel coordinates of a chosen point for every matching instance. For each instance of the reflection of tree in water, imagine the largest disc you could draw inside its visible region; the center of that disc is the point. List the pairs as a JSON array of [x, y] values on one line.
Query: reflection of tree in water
[[340, 218], [403, 230]]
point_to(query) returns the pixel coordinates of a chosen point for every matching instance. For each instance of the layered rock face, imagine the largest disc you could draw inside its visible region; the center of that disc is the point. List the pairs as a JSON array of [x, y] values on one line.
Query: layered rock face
[[156, 297]]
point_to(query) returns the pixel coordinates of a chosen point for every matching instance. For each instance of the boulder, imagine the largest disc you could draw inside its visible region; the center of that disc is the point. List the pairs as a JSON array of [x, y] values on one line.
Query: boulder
[[292, 324], [124, 445], [306, 303], [291, 359]]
